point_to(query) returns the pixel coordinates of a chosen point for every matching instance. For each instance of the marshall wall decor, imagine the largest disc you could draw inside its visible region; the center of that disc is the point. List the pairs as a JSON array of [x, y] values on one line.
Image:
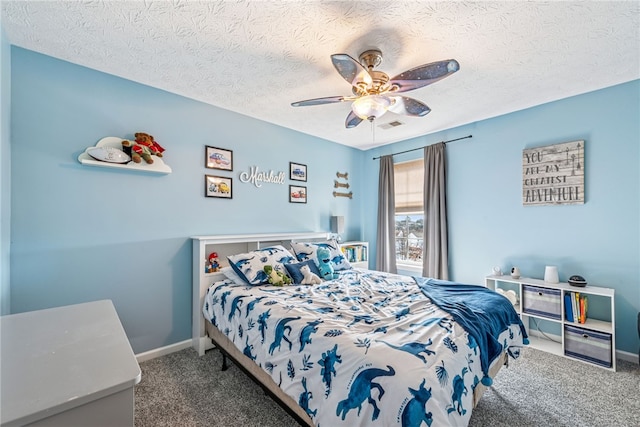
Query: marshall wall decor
[[553, 174], [256, 177]]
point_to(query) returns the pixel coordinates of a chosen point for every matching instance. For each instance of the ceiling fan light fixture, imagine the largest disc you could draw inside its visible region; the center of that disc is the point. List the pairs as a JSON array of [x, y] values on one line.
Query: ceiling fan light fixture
[[374, 93], [371, 106]]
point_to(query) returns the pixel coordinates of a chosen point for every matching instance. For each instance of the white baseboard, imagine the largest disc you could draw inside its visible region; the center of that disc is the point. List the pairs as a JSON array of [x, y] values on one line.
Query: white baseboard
[[629, 357], [162, 351]]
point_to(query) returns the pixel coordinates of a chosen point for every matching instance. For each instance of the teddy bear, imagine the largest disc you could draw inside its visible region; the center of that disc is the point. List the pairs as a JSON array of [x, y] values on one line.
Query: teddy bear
[[275, 277], [308, 277], [143, 147], [324, 264]]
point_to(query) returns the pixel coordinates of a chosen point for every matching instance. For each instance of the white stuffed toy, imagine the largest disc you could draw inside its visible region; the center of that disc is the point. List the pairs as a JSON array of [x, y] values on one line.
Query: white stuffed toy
[[308, 277], [509, 294]]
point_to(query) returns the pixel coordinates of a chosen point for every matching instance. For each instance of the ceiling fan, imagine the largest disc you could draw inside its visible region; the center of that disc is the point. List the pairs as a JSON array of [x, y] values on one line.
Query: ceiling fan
[[374, 93]]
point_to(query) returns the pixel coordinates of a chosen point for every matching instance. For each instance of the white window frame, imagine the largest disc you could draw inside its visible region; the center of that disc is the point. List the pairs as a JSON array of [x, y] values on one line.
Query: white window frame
[[406, 264]]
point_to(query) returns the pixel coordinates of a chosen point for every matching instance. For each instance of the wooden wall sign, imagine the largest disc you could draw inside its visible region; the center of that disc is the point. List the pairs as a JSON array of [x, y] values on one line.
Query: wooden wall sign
[[553, 174], [337, 184]]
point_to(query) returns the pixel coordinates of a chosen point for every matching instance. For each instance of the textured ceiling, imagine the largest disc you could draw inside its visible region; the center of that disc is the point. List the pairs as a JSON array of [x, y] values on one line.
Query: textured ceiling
[[256, 57]]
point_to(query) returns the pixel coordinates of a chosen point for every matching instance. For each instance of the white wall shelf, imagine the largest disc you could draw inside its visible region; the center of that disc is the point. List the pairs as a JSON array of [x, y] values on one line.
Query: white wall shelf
[[158, 165], [605, 324]]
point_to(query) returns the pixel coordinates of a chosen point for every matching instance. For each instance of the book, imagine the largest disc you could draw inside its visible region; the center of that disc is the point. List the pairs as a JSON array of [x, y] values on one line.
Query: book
[[583, 309], [568, 307], [574, 302]]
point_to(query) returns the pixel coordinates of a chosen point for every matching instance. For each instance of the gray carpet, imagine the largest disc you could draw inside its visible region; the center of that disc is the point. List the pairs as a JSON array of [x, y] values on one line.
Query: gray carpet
[[539, 389]]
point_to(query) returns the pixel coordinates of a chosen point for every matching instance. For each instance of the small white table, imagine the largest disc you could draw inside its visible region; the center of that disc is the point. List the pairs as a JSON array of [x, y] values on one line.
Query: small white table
[[67, 366]]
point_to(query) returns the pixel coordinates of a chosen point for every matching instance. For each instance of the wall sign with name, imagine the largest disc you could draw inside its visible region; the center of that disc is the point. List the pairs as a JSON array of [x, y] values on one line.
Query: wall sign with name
[[255, 177], [553, 174]]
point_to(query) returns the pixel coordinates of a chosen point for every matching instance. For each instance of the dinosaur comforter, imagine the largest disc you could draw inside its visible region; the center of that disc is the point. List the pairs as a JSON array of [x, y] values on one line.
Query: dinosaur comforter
[[365, 349]]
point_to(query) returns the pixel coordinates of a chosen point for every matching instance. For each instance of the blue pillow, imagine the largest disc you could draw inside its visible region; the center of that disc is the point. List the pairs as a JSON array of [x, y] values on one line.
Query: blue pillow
[[294, 270], [250, 266]]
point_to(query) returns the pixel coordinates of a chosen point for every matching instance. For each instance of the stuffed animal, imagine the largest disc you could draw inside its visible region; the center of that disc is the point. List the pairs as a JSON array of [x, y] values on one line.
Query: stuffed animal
[[308, 277], [325, 265], [142, 148], [509, 294], [276, 278]]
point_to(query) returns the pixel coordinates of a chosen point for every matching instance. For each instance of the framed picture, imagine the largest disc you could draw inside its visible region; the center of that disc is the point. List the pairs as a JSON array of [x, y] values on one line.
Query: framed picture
[[297, 194], [218, 186], [218, 158], [297, 171]]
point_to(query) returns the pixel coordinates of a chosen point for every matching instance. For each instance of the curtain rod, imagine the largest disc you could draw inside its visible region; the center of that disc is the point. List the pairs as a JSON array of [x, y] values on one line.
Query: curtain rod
[[420, 148]]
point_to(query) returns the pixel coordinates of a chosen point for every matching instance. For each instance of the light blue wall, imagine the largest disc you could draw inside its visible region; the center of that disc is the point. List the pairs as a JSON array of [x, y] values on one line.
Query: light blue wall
[[84, 233], [488, 225], [5, 172]]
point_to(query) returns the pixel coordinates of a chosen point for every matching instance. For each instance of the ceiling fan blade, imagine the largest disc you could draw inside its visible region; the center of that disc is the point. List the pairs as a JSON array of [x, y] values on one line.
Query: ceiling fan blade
[[424, 75], [351, 70], [408, 106], [352, 120], [320, 101]]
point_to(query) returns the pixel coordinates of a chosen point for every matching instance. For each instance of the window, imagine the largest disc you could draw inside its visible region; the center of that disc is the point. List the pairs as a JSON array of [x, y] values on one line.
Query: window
[[409, 183]]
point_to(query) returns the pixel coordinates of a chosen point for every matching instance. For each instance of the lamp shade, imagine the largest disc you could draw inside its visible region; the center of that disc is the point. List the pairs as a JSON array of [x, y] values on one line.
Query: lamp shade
[[370, 106], [337, 224]]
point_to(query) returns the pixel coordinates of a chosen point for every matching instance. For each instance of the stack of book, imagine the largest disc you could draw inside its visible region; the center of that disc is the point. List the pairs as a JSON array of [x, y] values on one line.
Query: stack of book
[[355, 253], [575, 307]]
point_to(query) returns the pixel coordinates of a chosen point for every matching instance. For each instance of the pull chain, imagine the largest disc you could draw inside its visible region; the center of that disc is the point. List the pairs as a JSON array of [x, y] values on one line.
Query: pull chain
[[373, 132]]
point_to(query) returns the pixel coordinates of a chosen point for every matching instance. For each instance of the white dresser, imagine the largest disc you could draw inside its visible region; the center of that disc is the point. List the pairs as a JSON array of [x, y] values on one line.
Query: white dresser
[[67, 366]]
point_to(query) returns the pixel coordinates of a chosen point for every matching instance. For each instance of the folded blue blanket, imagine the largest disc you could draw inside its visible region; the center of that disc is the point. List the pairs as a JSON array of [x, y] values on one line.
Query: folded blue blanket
[[483, 313]]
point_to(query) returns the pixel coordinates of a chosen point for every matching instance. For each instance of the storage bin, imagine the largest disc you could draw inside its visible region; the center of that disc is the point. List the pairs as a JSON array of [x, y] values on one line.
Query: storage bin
[[588, 345], [541, 301]]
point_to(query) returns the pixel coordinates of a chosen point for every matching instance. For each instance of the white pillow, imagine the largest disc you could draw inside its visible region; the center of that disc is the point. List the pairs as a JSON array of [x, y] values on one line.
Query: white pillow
[[305, 251], [250, 265], [232, 275]]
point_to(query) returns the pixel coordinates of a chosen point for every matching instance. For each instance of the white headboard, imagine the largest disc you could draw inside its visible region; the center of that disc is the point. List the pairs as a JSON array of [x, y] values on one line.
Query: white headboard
[[226, 245]]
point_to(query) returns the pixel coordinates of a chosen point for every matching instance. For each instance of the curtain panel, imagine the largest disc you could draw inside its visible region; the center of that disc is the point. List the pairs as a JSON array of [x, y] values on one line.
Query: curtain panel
[[386, 239], [435, 262]]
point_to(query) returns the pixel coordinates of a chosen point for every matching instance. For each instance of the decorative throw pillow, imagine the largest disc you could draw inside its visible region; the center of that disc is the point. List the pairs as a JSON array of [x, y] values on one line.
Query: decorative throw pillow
[[231, 275], [296, 274], [250, 266], [305, 251]]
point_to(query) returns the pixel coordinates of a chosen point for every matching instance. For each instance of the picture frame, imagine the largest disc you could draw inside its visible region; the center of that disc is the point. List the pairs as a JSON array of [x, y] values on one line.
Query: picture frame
[[297, 194], [297, 171], [218, 186], [218, 158]]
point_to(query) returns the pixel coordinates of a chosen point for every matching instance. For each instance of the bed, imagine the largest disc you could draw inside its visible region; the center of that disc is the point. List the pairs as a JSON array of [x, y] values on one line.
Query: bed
[[364, 348]]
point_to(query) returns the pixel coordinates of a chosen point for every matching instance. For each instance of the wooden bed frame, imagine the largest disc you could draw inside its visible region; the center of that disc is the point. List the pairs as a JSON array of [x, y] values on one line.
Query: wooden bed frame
[[206, 336]]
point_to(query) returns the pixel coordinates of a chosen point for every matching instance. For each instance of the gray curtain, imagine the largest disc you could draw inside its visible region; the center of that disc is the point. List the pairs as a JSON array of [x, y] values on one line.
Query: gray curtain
[[435, 262], [386, 239]]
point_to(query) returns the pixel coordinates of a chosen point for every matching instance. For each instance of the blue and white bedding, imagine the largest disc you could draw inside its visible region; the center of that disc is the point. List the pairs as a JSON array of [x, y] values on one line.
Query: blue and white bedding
[[365, 349]]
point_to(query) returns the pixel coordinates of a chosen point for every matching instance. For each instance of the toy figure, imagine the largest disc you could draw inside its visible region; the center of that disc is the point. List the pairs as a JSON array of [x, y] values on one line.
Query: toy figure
[[213, 264]]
